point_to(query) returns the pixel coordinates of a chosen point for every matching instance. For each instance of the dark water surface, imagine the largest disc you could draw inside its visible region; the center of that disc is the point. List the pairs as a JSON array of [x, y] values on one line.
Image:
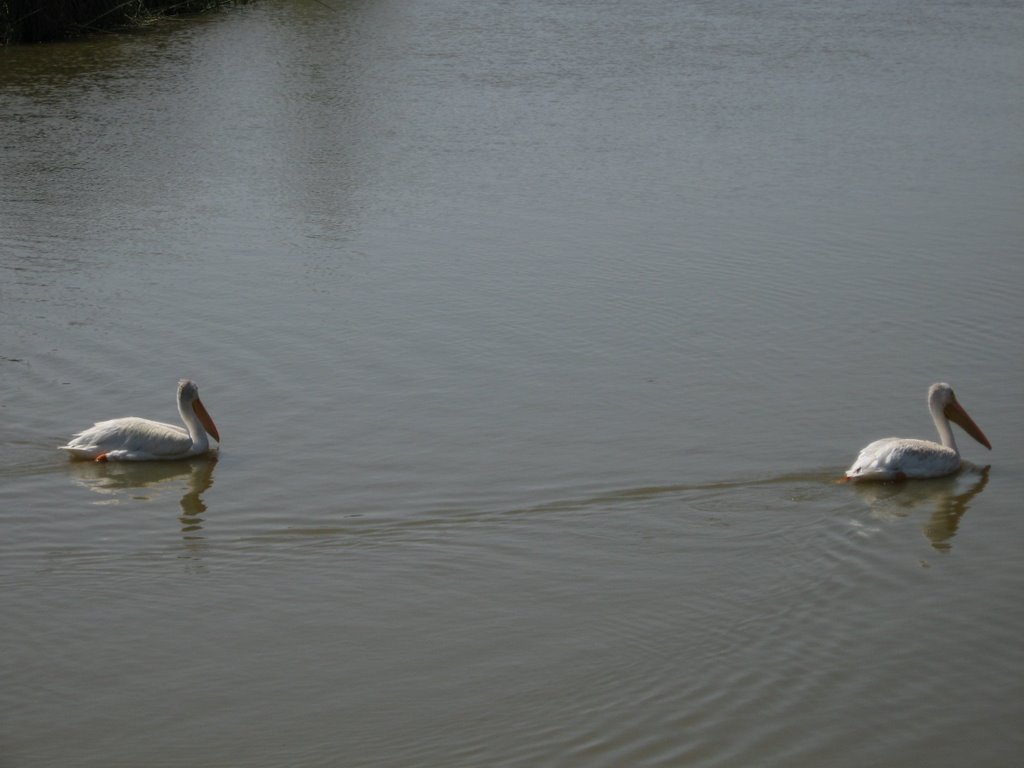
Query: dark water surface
[[536, 333]]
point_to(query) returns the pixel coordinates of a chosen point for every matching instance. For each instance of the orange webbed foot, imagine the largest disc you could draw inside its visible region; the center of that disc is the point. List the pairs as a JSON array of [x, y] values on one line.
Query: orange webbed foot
[[101, 457]]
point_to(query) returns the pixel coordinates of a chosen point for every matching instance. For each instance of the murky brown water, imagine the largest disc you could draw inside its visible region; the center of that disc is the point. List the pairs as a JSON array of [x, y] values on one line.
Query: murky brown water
[[536, 333]]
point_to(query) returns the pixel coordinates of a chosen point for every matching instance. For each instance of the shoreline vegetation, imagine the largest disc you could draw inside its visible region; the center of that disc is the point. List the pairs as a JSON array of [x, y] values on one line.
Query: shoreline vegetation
[[41, 21]]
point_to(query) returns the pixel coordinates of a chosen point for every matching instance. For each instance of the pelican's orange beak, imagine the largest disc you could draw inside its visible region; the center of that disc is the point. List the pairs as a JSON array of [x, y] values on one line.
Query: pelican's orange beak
[[956, 413], [207, 422]]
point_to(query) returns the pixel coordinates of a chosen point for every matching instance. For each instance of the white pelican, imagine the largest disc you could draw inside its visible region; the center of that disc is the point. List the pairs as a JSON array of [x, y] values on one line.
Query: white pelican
[[135, 439], [897, 458]]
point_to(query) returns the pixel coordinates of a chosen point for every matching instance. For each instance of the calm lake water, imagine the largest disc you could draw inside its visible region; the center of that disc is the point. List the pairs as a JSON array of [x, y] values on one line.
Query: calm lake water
[[536, 333]]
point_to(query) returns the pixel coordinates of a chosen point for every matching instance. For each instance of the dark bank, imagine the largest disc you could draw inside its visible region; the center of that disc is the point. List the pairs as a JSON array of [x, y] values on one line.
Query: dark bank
[[38, 21]]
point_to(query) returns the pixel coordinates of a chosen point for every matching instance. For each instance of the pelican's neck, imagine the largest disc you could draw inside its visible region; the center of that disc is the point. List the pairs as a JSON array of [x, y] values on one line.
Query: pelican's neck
[[941, 424], [195, 429]]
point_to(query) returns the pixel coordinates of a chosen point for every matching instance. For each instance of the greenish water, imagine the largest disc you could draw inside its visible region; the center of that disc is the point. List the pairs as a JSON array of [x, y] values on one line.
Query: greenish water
[[537, 334]]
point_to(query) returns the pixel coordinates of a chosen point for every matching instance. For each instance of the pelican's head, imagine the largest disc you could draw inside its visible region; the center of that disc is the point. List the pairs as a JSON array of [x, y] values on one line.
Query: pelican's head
[[188, 398], [942, 400], [188, 392]]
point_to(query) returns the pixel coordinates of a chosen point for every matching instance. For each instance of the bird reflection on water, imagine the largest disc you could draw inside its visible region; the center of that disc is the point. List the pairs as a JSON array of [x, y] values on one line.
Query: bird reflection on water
[[116, 481], [947, 497]]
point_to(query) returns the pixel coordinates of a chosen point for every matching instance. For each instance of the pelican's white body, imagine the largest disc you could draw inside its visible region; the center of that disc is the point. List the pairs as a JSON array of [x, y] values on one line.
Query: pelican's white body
[[898, 458], [135, 439]]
